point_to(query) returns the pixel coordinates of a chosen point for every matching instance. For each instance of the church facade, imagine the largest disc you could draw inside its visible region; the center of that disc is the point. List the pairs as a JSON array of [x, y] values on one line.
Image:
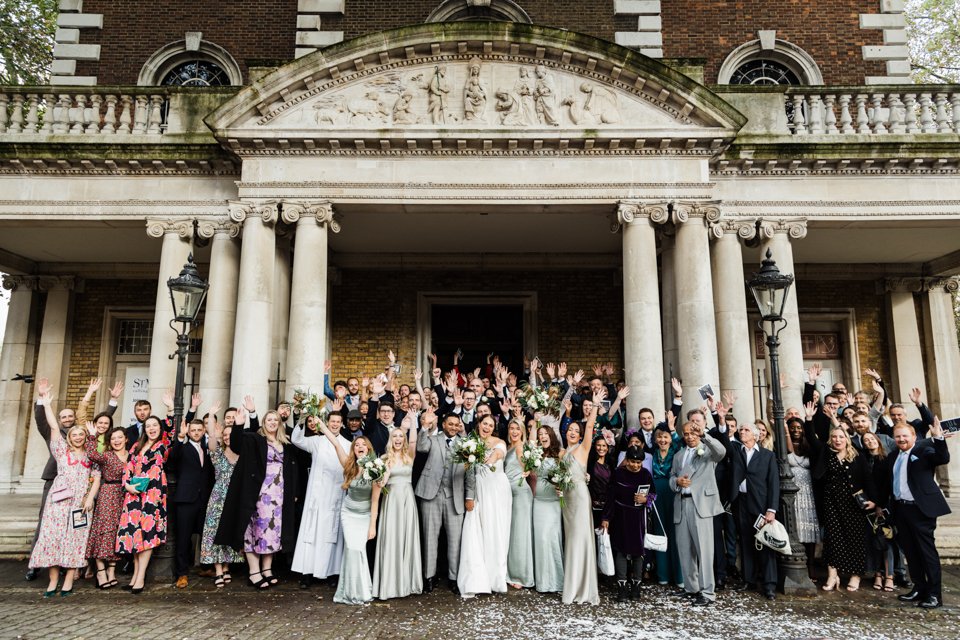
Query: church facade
[[587, 182]]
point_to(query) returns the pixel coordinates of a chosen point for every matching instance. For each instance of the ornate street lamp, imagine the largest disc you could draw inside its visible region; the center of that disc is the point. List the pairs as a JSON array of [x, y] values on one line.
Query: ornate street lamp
[[187, 292], [770, 288]]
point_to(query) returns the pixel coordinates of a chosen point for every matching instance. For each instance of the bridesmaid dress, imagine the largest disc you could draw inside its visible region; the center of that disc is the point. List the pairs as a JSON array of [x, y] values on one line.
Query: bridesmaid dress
[[397, 569], [547, 534], [520, 555], [355, 586], [579, 547]]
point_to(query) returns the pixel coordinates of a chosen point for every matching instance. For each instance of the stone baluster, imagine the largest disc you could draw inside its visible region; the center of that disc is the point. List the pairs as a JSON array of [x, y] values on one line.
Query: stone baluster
[[816, 115], [863, 122], [846, 119], [33, 112], [910, 113], [955, 109], [61, 122], [927, 124], [78, 115], [4, 119], [877, 114], [140, 116], [830, 113], [156, 115], [126, 116], [896, 115], [50, 106], [93, 114], [799, 123], [110, 118], [16, 114], [943, 121]]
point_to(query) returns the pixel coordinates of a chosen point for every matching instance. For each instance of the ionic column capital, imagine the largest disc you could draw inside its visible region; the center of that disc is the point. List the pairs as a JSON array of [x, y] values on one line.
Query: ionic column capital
[[321, 212], [51, 283], [209, 227], [12, 283], [794, 228], [949, 285], [902, 285], [628, 211], [241, 210], [742, 228], [708, 212], [158, 227]]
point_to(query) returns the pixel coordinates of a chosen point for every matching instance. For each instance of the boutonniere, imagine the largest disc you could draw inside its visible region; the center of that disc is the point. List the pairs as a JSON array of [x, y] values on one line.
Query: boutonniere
[[913, 458], [701, 450]]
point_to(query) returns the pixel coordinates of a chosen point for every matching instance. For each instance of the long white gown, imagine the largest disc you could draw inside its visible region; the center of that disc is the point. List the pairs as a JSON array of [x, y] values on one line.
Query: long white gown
[[319, 550], [485, 540]]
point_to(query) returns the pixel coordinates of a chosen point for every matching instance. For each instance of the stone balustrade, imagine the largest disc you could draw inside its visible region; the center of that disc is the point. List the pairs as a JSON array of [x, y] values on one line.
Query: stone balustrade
[[903, 110], [60, 111]]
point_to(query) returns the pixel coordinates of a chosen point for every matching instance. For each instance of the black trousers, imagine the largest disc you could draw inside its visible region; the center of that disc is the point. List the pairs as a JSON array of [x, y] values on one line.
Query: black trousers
[[759, 566], [188, 521], [915, 535]]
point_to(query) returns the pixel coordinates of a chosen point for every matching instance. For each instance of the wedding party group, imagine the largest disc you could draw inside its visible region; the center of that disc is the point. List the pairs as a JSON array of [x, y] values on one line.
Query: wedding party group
[[498, 481]]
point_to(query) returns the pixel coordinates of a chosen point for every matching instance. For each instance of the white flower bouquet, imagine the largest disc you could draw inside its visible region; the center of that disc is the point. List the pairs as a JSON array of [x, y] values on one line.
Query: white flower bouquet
[[531, 458], [536, 399], [561, 478], [309, 404], [471, 452], [372, 468]]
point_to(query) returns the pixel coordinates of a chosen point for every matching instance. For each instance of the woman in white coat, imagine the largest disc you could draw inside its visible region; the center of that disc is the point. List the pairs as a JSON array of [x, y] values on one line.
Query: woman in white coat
[[319, 550]]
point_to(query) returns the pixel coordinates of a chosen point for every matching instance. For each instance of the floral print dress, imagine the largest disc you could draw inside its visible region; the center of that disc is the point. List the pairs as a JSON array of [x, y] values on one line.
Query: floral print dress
[[263, 533], [209, 552], [102, 544], [143, 519]]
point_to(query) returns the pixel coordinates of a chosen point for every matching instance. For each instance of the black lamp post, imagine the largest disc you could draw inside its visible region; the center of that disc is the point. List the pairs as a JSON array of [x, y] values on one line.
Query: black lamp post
[[769, 288], [187, 292]]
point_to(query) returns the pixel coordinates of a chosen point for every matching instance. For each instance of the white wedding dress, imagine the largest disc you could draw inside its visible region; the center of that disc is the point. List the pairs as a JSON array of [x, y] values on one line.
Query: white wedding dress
[[485, 540]]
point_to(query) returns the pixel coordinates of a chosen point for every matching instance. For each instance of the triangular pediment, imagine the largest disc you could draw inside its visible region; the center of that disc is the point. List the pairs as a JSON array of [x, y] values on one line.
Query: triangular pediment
[[482, 85]]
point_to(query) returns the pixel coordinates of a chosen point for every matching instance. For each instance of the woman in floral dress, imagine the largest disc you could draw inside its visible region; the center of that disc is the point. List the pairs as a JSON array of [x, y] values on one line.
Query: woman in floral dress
[[143, 519], [102, 544], [224, 461], [60, 543]]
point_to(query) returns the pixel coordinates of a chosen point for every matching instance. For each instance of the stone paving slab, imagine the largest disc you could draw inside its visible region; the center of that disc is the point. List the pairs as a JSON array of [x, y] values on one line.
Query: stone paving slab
[[201, 611]]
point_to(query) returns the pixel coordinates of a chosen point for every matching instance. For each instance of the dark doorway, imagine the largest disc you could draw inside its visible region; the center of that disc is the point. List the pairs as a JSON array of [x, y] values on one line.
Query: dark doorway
[[478, 330]]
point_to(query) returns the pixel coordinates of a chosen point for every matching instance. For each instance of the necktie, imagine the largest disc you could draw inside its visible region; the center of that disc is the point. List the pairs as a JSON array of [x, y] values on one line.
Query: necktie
[[896, 476]]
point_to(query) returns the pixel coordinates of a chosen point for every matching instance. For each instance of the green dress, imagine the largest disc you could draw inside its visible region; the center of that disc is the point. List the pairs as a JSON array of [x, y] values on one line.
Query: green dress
[[547, 534], [520, 555], [355, 585]]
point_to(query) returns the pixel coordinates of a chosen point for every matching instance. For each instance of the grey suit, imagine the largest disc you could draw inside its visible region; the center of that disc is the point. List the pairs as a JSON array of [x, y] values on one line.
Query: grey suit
[[693, 514], [442, 489]]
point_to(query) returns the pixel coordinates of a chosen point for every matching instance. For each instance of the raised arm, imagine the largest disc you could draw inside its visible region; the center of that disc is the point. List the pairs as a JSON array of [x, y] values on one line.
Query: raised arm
[[83, 407], [213, 438]]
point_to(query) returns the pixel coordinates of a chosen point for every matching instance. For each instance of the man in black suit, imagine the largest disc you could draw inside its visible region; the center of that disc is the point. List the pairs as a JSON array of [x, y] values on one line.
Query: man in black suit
[[917, 502], [141, 411], [754, 492], [378, 424], [191, 463]]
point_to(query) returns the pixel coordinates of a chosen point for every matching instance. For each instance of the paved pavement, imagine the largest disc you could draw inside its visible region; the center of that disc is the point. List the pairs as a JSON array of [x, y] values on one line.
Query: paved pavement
[[200, 611]]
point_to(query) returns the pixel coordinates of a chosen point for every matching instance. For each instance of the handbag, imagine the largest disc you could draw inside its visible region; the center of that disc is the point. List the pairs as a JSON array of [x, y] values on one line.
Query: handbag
[[139, 482], [61, 494], [773, 535], [604, 553], [653, 541]]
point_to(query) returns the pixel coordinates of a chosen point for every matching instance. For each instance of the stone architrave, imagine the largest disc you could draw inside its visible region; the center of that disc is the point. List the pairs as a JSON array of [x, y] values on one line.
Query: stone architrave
[[777, 235], [642, 344], [177, 246], [16, 357], [306, 346], [730, 305], [220, 308], [252, 344]]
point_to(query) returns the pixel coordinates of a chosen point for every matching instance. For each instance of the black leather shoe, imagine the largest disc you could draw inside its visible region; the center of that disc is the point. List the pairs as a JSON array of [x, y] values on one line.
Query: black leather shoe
[[454, 589], [31, 575], [701, 601], [746, 586], [635, 590], [721, 585], [305, 581], [902, 582], [429, 584], [932, 602], [770, 594], [622, 591], [683, 593], [913, 596]]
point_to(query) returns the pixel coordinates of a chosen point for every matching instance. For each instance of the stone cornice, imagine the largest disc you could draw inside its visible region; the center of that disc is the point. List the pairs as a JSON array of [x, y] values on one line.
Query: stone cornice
[[158, 227]]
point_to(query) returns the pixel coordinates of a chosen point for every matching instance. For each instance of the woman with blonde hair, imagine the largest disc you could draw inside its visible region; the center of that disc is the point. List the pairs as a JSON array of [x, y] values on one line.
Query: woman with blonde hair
[[259, 512], [520, 554], [397, 568], [848, 490], [766, 435]]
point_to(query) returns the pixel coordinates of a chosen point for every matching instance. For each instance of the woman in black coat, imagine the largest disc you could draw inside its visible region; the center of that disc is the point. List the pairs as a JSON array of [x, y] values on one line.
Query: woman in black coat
[[259, 512], [848, 492]]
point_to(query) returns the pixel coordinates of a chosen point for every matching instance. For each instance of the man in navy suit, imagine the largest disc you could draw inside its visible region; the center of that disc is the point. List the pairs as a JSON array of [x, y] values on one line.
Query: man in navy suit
[[191, 463], [917, 503]]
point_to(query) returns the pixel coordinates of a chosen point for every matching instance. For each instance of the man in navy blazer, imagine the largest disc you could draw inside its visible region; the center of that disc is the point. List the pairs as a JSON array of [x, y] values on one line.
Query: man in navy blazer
[[194, 471], [917, 502]]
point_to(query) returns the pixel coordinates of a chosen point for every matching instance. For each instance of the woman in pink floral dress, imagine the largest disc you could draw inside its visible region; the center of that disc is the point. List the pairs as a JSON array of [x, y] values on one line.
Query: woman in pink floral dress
[[62, 540], [143, 519], [102, 545]]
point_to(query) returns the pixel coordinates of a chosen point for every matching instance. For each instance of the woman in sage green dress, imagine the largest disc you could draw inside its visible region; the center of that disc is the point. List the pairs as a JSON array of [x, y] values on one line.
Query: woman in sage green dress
[[579, 544], [397, 570], [520, 555], [547, 533], [358, 519]]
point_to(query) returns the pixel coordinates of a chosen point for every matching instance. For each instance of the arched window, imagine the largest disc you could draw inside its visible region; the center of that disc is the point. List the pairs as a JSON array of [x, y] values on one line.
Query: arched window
[[491, 10], [783, 63], [202, 64]]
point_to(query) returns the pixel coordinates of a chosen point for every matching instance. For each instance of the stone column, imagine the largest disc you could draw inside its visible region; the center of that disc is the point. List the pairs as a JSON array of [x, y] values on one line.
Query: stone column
[[52, 357], [777, 235], [281, 317], [177, 246], [642, 344], [906, 350], [253, 336], [943, 355], [308, 306], [730, 311], [668, 310], [16, 357], [220, 313], [696, 326]]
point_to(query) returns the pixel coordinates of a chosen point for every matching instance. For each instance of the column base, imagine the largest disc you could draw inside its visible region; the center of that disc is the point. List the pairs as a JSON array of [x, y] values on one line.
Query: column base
[[28, 486], [796, 581]]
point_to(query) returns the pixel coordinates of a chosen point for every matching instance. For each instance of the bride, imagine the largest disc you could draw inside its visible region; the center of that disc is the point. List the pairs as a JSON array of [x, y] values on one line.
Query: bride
[[486, 527]]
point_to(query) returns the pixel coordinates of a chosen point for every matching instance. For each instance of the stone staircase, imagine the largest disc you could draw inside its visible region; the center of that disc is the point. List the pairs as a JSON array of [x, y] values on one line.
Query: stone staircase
[[18, 520]]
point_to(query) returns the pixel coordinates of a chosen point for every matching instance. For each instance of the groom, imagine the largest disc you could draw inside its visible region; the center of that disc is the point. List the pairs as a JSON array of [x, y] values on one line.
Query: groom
[[443, 489]]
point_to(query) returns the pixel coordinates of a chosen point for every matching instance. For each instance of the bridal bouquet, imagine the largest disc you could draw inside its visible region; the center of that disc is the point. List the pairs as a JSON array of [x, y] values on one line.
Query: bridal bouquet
[[471, 452], [372, 469], [531, 458], [309, 404], [539, 399], [561, 478]]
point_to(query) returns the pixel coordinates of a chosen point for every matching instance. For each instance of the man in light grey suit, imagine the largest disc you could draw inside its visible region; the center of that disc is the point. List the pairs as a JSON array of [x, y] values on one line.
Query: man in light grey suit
[[697, 501], [445, 491]]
